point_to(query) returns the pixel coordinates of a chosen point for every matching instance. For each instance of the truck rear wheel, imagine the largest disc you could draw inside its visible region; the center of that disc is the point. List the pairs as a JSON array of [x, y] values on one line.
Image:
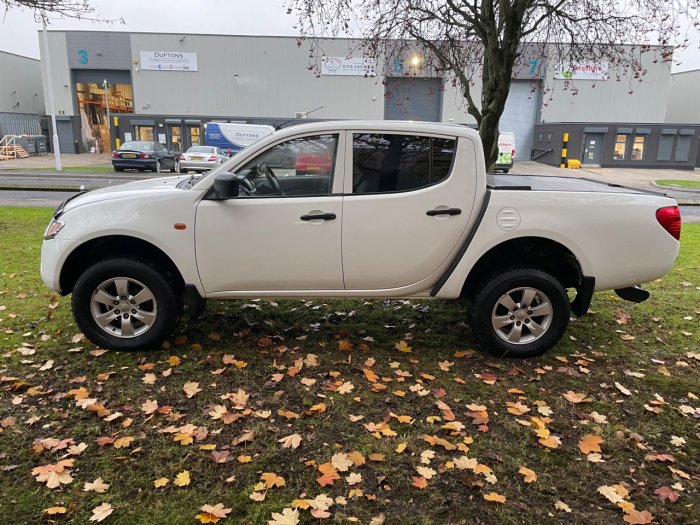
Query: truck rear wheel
[[520, 313], [124, 304]]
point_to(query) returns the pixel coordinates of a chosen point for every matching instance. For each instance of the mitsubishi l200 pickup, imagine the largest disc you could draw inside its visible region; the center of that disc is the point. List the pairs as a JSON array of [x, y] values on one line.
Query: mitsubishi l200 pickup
[[380, 210]]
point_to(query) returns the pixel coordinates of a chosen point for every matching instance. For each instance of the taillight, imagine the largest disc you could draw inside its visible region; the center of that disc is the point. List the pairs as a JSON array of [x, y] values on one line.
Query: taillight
[[115, 155], [670, 219], [144, 156], [182, 156], [512, 154], [213, 157]]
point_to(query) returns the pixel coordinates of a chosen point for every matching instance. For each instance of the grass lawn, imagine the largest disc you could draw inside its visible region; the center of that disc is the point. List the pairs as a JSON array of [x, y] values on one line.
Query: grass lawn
[[679, 182], [319, 407]]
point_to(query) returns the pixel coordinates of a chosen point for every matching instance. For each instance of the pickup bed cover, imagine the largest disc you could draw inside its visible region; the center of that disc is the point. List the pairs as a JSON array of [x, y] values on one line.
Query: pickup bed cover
[[548, 183]]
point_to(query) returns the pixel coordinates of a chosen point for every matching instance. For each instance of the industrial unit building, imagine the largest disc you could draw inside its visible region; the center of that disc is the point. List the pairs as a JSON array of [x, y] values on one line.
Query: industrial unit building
[[21, 96], [166, 87]]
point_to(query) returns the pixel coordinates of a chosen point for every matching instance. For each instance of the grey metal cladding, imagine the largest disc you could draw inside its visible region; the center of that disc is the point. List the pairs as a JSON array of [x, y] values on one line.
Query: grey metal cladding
[[643, 131], [624, 130], [98, 75], [595, 130], [686, 132], [98, 50]]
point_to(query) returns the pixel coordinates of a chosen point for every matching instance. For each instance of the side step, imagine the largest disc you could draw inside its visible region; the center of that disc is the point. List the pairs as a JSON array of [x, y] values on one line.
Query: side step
[[633, 294]]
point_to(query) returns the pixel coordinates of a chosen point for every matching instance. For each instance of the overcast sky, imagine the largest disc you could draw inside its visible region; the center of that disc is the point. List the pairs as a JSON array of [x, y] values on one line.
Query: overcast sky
[[18, 30]]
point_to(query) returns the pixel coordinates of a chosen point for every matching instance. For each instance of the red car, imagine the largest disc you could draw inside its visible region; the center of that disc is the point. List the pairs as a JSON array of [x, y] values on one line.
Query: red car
[[315, 160]]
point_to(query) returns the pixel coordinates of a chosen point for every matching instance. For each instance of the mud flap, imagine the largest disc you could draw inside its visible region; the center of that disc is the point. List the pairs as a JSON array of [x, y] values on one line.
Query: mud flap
[[584, 294]]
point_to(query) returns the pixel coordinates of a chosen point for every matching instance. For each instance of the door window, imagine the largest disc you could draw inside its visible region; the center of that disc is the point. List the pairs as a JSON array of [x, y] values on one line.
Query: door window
[[620, 147], [175, 138], [384, 163], [299, 167]]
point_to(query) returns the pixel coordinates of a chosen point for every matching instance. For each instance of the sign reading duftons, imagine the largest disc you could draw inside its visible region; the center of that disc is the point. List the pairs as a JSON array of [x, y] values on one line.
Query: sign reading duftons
[[168, 61], [344, 66]]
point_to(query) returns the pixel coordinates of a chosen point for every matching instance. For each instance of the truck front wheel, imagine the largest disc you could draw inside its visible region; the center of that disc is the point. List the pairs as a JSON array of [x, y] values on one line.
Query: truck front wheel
[[520, 313], [124, 304]]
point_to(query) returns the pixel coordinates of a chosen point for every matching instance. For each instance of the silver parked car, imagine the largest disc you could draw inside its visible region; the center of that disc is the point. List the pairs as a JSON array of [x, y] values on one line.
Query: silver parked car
[[201, 158]]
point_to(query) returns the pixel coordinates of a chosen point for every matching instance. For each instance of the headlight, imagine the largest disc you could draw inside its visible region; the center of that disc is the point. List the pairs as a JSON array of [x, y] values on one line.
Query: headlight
[[53, 229]]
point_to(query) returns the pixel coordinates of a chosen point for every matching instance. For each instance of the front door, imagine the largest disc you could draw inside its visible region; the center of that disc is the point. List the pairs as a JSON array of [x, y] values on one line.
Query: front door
[[194, 135], [283, 231], [592, 148], [175, 138], [404, 214]]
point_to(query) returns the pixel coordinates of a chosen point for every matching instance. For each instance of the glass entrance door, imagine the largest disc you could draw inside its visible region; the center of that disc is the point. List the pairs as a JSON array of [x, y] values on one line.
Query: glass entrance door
[[195, 135], [175, 138]]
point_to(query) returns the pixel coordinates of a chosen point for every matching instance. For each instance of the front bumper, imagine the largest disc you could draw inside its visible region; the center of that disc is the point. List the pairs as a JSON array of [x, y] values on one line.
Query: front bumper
[[52, 258]]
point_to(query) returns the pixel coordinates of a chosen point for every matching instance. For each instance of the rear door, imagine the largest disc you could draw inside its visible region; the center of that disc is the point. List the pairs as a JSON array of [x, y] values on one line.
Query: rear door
[[406, 206]]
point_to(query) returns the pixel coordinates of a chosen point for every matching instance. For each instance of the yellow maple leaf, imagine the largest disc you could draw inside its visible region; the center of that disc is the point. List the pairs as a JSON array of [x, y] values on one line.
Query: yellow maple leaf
[[161, 482], [575, 397], [495, 497], [272, 480], [402, 346], [590, 443], [344, 345], [174, 360], [293, 441], [528, 474], [122, 442], [419, 482], [401, 447], [55, 510], [357, 458], [182, 479], [101, 512], [286, 517]]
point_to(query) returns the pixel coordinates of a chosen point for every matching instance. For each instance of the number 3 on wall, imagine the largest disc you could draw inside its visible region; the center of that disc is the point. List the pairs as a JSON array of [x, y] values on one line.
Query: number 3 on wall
[[82, 56]]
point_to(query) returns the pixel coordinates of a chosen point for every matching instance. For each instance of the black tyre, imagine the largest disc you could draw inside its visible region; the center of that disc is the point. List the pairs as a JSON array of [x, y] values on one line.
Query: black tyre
[[183, 170], [158, 166], [506, 171], [520, 313], [125, 304], [118, 169], [173, 168]]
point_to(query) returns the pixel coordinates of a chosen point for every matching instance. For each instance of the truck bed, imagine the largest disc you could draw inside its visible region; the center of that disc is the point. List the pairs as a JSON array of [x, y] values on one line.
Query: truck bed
[[548, 183]]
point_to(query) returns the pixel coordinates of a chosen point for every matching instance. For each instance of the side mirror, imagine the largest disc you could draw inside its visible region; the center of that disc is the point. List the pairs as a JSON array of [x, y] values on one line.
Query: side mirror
[[227, 185]]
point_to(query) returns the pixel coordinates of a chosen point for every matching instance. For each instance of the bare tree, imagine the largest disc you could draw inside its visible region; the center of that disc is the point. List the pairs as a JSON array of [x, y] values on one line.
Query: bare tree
[[489, 40], [52, 9]]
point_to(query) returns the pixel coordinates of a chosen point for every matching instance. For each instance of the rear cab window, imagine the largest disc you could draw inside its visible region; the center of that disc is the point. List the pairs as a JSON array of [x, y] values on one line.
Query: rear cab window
[[388, 162]]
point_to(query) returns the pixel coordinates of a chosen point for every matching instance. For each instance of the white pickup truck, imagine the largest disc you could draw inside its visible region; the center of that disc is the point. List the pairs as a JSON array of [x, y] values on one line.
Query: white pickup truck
[[357, 209]]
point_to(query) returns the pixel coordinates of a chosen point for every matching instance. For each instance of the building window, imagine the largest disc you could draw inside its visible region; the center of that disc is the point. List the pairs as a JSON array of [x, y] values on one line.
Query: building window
[[665, 146], [620, 146], [638, 147], [683, 148], [548, 136]]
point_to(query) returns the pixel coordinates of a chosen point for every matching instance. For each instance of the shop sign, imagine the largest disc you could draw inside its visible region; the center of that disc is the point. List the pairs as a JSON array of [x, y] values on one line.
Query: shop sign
[[583, 71], [168, 61], [344, 66]]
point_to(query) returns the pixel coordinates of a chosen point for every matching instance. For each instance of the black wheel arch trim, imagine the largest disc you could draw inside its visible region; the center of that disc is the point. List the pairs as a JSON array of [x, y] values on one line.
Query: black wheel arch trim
[[463, 248], [584, 295]]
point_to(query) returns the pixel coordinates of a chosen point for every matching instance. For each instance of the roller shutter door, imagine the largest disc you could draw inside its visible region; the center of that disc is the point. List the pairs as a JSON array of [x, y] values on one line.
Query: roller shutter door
[[520, 116], [413, 99]]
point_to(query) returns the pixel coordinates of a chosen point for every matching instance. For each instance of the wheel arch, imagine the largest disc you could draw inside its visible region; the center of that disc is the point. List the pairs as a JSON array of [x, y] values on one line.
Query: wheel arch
[[533, 252], [102, 248]]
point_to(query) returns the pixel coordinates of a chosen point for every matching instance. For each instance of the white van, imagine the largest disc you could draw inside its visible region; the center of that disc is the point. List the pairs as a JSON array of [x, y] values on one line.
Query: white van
[[506, 151]]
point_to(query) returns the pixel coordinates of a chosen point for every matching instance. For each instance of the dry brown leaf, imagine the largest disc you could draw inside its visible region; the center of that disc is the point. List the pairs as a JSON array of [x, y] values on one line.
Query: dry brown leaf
[[272, 480], [528, 475], [495, 497], [191, 388]]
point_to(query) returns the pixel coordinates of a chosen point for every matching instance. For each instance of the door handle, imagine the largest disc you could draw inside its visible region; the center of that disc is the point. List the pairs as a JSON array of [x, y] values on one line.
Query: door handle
[[318, 216], [444, 211]]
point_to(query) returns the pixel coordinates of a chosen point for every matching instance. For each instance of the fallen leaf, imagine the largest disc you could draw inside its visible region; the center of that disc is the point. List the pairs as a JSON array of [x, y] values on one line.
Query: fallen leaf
[[622, 389], [98, 486], [272, 480], [55, 510], [402, 346], [590, 443], [101, 512], [341, 461], [191, 388], [419, 482], [575, 397], [286, 517], [666, 494], [635, 517], [426, 472], [495, 497], [529, 475], [212, 513], [161, 482], [182, 479], [293, 441], [560, 505]]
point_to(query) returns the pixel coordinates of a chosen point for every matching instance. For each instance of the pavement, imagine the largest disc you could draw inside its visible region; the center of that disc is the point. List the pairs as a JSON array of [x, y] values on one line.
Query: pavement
[[39, 173]]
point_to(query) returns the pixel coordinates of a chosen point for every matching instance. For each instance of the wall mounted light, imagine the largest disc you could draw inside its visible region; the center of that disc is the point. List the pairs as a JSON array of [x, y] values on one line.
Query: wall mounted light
[[415, 61]]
